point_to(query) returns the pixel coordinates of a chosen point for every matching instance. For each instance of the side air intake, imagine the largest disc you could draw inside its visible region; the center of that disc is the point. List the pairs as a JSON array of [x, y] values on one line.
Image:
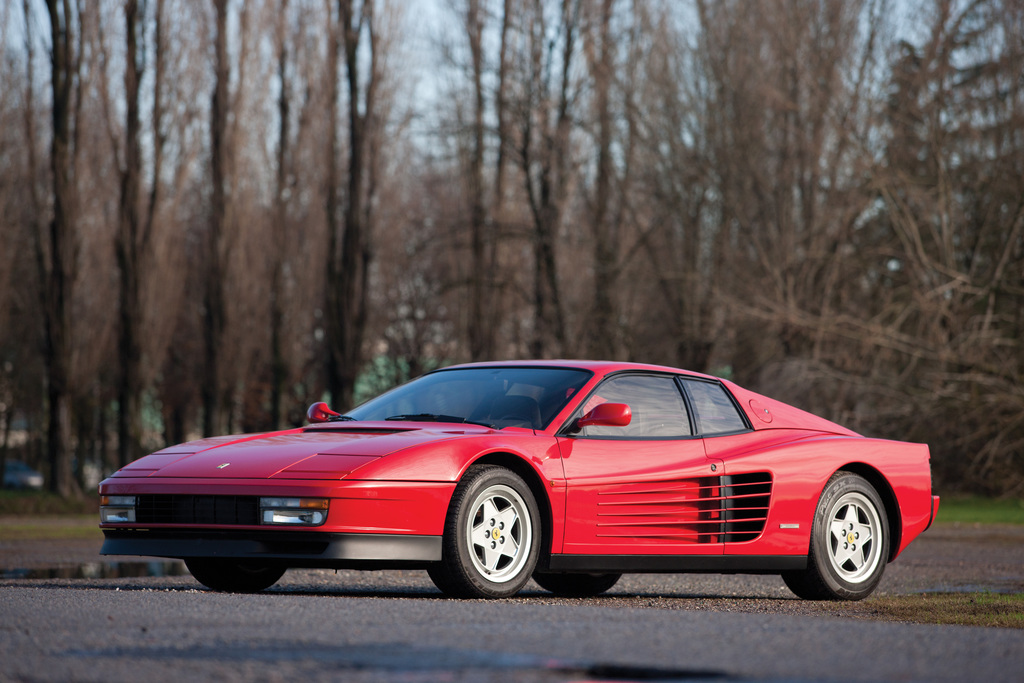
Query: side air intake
[[726, 509]]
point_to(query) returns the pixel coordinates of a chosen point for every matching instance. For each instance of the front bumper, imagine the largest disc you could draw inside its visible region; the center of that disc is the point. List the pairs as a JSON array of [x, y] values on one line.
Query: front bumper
[[288, 548]]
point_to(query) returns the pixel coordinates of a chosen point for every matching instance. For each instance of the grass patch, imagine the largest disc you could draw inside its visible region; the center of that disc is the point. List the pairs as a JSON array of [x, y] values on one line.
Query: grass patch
[[962, 609], [20, 503], [52, 529], [978, 510]]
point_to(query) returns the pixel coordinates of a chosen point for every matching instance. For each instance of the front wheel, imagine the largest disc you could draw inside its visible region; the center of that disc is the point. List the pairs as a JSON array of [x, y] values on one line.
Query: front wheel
[[849, 543], [233, 576], [491, 536]]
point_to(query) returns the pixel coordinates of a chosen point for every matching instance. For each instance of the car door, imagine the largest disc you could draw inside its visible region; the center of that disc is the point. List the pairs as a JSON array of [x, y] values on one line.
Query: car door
[[639, 489], [746, 477]]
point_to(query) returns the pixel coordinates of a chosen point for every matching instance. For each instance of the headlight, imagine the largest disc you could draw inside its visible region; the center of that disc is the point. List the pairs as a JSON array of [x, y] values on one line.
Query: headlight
[[117, 509], [294, 511]]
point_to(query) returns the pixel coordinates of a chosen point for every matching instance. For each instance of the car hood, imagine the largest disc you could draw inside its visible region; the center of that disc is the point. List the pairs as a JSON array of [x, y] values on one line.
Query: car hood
[[316, 452]]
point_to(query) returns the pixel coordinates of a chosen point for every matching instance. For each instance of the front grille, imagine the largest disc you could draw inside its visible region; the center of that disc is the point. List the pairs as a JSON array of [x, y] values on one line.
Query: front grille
[[186, 509]]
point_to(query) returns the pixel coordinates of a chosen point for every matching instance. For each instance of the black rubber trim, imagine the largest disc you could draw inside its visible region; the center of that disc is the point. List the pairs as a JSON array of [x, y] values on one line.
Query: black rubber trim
[[652, 564], [931, 516], [296, 549]]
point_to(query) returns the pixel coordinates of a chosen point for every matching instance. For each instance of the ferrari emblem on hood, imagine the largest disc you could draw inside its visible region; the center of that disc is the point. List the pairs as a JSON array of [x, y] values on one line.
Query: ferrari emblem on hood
[[223, 465]]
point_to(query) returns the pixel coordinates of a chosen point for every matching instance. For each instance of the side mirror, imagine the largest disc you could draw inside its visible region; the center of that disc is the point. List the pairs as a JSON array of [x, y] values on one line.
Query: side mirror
[[606, 415], [320, 412]]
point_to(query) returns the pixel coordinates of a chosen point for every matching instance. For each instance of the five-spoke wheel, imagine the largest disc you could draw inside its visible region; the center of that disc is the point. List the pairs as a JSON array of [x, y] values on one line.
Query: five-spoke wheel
[[852, 549], [491, 537], [849, 543], [498, 527]]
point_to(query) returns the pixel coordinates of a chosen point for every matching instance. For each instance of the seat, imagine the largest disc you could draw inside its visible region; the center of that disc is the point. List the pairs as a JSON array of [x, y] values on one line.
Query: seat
[[518, 410]]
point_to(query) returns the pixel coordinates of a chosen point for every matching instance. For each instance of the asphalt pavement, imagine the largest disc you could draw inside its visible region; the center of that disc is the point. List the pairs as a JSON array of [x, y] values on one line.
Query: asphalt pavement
[[101, 622]]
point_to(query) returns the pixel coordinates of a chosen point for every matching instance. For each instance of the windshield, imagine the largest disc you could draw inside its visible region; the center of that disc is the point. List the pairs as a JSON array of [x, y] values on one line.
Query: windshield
[[497, 397]]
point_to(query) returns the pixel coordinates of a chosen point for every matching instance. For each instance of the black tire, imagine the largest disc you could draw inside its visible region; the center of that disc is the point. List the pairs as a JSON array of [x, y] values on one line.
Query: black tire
[[491, 536], [849, 543], [576, 585], [233, 576]]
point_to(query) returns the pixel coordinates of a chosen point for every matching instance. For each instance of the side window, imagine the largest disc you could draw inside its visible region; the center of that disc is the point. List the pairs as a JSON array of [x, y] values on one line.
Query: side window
[[656, 403], [716, 413]]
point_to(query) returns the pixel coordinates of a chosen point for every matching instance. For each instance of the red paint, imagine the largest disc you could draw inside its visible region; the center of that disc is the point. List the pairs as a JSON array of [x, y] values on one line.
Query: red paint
[[606, 496]]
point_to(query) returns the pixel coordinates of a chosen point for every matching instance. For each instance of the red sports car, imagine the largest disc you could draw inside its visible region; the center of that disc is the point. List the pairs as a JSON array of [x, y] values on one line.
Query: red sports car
[[571, 472]]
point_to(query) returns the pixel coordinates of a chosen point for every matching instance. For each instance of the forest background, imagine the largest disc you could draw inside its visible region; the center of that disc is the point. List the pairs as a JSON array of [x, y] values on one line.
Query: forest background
[[214, 213]]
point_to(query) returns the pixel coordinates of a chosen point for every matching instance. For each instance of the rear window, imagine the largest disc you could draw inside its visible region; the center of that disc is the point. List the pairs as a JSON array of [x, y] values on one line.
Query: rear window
[[715, 411]]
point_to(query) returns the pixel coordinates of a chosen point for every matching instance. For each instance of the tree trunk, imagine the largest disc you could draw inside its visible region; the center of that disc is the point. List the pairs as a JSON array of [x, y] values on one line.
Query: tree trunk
[[57, 276], [348, 268], [128, 247], [213, 295], [479, 330], [603, 319], [278, 359], [5, 440], [331, 315], [544, 156]]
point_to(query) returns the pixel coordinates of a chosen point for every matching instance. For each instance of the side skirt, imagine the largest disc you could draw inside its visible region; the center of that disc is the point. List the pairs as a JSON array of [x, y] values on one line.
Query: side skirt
[[668, 564]]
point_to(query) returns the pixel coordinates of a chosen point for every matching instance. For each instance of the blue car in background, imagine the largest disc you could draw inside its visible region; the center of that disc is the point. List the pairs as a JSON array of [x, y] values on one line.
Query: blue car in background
[[18, 475]]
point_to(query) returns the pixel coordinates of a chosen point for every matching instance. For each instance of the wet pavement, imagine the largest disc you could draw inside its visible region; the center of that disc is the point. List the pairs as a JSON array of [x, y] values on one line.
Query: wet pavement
[[99, 570]]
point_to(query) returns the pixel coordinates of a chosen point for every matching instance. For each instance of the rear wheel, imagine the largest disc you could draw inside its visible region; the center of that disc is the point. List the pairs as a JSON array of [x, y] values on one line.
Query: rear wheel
[[233, 576], [849, 543], [491, 536], [576, 585]]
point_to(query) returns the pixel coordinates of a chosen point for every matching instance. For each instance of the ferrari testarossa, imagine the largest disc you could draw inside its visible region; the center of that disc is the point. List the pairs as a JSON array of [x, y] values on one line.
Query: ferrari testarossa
[[570, 472]]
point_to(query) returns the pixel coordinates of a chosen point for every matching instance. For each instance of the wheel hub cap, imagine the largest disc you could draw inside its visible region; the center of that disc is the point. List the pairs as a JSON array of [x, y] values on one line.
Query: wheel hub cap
[[500, 534], [855, 537]]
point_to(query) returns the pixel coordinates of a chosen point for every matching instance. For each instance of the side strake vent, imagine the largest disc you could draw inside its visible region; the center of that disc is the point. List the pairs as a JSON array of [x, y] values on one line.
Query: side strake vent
[[185, 509], [745, 500], [726, 509]]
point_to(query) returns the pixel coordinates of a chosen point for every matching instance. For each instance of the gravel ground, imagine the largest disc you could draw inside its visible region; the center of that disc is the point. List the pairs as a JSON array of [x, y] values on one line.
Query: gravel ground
[[946, 558]]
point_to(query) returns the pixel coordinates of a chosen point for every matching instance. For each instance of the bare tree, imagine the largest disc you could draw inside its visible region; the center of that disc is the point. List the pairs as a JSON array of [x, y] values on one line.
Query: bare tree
[[132, 241], [23, 179], [542, 105], [479, 332], [777, 190], [172, 292], [8, 230], [948, 304], [295, 233], [214, 312], [674, 188], [600, 49], [56, 250], [779, 78], [278, 360], [349, 243]]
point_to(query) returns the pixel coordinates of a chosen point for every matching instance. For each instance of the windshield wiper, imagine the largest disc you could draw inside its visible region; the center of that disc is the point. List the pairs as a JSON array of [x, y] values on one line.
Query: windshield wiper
[[341, 418], [432, 417]]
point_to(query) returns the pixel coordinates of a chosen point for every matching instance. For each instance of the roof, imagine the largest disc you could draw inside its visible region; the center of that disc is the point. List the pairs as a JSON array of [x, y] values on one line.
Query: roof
[[600, 367]]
